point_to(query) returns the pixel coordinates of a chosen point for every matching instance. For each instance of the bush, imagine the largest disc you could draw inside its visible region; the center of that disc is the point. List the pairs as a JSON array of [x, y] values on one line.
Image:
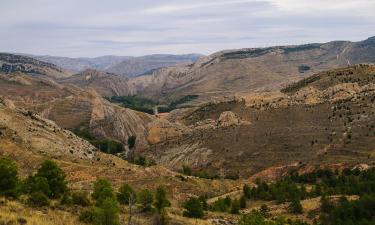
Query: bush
[[55, 178], [80, 198], [35, 184], [243, 202], [194, 208], [126, 194], [247, 191], [145, 199], [131, 141], [221, 205], [102, 190], [9, 183], [187, 170], [89, 216], [66, 199], [108, 212], [38, 199], [296, 207], [235, 207], [161, 199]]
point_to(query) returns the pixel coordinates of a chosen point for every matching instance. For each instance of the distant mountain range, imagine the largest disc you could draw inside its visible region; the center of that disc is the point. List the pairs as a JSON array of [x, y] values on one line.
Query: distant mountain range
[[122, 65]]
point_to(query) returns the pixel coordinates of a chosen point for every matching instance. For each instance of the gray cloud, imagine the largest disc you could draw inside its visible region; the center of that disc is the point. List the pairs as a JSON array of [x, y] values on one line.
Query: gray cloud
[[124, 27]]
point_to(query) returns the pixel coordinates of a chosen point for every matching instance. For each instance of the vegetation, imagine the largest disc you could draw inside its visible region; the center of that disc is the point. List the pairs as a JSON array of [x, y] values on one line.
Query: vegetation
[[145, 198], [256, 218], [131, 141], [104, 145], [9, 183], [147, 105], [193, 208], [300, 84], [126, 194]]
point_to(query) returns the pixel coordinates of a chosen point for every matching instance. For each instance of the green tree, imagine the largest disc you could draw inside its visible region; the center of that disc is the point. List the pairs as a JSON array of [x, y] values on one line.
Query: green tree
[[9, 183], [132, 141], [161, 199], [80, 198], [325, 205], [193, 208], [145, 199], [126, 194], [102, 190], [108, 212], [35, 184], [55, 178]]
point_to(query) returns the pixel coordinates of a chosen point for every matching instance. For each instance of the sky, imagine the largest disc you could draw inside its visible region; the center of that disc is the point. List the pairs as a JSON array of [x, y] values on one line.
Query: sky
[[90, 28]]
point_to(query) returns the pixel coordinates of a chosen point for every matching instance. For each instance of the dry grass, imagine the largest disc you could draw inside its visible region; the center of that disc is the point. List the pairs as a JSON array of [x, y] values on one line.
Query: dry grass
[[12, 212]]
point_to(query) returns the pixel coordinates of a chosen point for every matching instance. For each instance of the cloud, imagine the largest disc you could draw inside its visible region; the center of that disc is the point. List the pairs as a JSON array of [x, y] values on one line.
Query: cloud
[[95, 27]]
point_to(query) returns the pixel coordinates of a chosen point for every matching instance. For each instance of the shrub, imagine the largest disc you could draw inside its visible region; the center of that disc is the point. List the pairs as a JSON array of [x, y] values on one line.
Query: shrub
[[38, 199], [132, 141], [247, 191], [55, 178], [235, 207], [221, 205], [108, 212], [161, 199], [66, 199], [80, 198], [296, 207], [243, 202], [193, 208], [102, 190], [187, 170], [264, 210], [126, 194], [89, 216], [145, 199], [9, 183], [37, 184]]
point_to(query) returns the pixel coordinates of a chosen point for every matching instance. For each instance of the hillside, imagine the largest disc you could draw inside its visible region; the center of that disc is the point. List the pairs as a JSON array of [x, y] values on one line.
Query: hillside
[[75, 108], [137, 66], [10, 63], [324, 119], [106, 84], [230, 72], [80, 64]]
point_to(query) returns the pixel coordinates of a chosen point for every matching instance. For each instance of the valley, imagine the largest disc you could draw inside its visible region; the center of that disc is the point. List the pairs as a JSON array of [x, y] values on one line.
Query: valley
[[275, 135]]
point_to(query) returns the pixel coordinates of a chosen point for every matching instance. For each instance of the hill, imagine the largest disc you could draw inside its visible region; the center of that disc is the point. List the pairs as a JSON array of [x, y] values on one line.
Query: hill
[[230, 72], [106, 84], [10, 63], [324, 119], [137, 66]]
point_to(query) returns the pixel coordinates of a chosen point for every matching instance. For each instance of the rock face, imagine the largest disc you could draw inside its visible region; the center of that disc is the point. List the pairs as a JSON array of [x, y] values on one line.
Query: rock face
[[227, 119], [248, 70]]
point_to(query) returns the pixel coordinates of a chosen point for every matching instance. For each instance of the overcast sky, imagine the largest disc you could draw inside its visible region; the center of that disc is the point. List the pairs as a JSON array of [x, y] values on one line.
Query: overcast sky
[[137, 27]]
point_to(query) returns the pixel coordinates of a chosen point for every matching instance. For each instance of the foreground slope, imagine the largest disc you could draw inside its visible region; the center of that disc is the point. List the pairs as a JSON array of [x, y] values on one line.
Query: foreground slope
[[324, 119]]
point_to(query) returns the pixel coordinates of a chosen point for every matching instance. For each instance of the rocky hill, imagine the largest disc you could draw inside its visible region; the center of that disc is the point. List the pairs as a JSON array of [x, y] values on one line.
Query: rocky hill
[[247, 70], [10, 63], [80, 64], [323, 119], [145, 64], [106, 84], [73, 108]]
